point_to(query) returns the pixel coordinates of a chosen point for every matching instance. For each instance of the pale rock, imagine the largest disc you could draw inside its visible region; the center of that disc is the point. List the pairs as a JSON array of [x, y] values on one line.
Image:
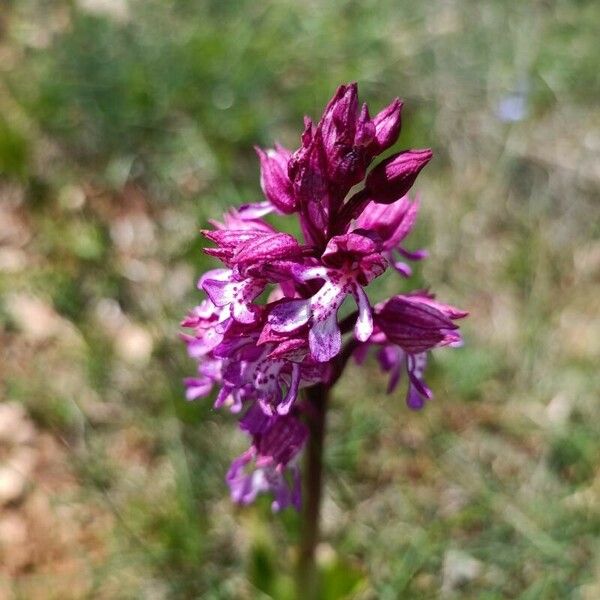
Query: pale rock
[[15, 427], [13, 530], [72, 197], [22, 459], [37, 319], [559, 410], [12, 260], [12, 485], [117, 10], [15, 545], [134, 344], [459, 568]]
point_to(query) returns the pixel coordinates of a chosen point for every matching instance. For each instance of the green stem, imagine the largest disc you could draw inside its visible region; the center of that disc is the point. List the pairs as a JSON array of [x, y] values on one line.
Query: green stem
[[307, 577]]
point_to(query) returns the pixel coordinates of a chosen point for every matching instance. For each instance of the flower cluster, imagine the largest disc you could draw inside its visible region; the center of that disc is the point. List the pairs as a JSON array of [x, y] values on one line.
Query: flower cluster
[[270, 325]]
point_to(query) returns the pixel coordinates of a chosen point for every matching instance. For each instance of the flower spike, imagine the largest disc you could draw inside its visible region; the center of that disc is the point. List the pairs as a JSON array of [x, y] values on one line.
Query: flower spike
[[270, 325]]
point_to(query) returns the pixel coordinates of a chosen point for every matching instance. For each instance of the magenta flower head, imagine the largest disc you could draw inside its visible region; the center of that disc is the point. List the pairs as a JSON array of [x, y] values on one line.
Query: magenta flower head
[[270, 324]]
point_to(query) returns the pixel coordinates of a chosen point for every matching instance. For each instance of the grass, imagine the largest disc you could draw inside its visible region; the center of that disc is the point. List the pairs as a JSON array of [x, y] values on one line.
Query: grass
[[122, 133]]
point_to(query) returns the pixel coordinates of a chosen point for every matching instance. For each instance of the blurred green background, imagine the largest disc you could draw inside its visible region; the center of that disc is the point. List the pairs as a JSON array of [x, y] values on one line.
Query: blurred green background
[[124, 126]]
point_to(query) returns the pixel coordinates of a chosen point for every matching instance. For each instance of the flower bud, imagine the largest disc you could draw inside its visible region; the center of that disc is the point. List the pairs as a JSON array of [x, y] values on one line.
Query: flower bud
[[392, 178], [274, 179], [387, 125], [414, 325]]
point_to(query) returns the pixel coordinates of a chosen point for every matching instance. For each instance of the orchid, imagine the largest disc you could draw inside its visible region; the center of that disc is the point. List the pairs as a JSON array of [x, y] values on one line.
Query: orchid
[[270, 324]]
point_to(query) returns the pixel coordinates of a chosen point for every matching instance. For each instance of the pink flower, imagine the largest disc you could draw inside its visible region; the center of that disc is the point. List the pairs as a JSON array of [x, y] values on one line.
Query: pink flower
[[349, 262], [270, 325]]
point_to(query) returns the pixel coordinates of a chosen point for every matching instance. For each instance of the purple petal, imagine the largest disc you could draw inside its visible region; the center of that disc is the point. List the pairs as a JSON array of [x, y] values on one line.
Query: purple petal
[[255, 421], [274, 179], [282, 441], [364, 324], [402, 268], [292, 393], [414, 400], [197, 387], [255, 210], [365, 128], [219, 292], [289, 315], [361, 353], [231, 238], [414, 255], [325, 339], [273, 246], [244, 486]]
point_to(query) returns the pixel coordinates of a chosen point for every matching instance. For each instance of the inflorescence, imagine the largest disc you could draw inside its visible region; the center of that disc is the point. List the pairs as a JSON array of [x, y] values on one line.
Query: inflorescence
[[259, 354]]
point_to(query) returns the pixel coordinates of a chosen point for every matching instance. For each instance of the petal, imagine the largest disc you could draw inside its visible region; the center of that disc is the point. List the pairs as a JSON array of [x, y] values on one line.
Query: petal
[[282, 441], [286, 493], [243, 313], [270, 247], [349, 245], [395, 375], [245, 486], [238, 294], [216, 274], [325, 338], [413, 255], [246, 217], [361, 353], [196, 347], [220, 292], [389, 356], [413, 312], [391, 359], [365, 128], [222, 396], [197, 387], [294, 349], [274, 179], [371, 266], [231, 238], [255, 421], [255, 210], [292, 393], [402, 268], [364, 324], [289, 315], [447, 309], [387, 125], [338, 122], [416, 369], [414, 400]]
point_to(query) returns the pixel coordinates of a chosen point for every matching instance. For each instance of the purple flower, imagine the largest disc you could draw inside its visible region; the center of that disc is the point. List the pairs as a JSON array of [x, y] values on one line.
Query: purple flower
[[247, 480], [395, 361], [418, 323], [406, 328], [392, 223], [349, 262], [269, 464], [270, 325]]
